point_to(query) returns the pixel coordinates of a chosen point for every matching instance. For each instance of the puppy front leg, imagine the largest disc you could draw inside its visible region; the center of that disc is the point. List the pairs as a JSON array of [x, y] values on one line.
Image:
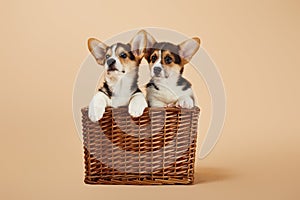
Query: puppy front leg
[[97, 106], [185, 101], [137, 104]]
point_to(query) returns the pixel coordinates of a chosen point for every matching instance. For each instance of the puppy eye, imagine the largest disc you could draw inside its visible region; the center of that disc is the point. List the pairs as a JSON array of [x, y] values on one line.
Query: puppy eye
[[107, 56], [123, 55], [153, 58], [168, 60]]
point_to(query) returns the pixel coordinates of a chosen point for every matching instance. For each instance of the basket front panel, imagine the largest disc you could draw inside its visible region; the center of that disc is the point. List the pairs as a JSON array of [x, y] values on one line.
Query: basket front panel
[[158, 147]]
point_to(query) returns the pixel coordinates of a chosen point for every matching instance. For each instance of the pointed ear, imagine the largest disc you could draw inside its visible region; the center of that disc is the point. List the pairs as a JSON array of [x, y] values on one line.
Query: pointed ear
[[150, 41], [98, 50], [188, 48], [138, 44]]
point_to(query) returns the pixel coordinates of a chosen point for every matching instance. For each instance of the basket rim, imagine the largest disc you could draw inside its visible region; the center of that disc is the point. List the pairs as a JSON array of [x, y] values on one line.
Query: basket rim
[[109, 108]]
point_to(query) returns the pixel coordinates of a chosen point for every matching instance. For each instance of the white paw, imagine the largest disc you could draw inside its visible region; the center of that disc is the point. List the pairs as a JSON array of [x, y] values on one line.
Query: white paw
[[97, 107], [137, 105], [185, 102]]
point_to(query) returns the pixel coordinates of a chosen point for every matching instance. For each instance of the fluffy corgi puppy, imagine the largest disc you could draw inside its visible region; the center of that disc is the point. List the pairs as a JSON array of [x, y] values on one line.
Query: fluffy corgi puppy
[[167, 86], [120, 88]]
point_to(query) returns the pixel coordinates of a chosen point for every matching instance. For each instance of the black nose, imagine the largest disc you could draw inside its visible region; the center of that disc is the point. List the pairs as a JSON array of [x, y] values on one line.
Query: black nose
[[156, 70], [110, 62]]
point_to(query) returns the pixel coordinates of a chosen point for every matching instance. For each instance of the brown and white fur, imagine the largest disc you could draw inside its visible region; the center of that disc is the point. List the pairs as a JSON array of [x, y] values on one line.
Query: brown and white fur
[[167, 86], [120, 88]]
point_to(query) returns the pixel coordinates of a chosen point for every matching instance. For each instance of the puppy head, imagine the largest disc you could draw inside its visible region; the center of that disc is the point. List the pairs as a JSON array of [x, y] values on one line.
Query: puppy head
[[119, 58], [166, 59]]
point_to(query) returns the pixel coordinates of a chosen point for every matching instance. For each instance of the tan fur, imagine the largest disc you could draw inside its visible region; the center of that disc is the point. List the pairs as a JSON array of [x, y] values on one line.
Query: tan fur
[[126, 62]]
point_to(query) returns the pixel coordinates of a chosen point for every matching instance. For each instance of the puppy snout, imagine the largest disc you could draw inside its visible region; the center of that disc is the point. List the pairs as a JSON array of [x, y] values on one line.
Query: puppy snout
[[156, 70], [111, 62]]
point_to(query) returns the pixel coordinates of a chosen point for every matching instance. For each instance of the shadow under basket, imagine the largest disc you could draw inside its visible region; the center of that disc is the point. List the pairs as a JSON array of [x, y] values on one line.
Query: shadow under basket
[[157, 148]]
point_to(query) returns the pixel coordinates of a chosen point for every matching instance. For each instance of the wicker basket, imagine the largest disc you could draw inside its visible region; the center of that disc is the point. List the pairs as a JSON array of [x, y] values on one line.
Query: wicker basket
[[156, 148]]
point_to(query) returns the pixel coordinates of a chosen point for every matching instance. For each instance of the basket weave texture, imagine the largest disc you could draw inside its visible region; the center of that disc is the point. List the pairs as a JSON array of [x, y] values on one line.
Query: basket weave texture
[[156, 148]]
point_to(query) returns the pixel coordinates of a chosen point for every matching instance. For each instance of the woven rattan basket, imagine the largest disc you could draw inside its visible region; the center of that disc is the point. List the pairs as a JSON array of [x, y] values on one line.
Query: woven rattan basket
[[156, 148]]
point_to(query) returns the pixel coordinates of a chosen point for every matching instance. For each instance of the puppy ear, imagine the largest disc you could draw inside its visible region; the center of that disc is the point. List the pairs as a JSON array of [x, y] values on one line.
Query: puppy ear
[[188, 48], [150, 41], [138, 44], [98, 50]]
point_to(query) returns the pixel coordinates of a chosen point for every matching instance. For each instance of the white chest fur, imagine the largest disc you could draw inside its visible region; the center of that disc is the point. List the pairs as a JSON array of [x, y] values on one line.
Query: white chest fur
[[122, 89], [167, 92]]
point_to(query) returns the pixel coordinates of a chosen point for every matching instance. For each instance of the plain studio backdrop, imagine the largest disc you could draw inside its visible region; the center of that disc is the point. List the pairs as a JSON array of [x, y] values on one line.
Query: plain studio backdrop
[[255, 45]]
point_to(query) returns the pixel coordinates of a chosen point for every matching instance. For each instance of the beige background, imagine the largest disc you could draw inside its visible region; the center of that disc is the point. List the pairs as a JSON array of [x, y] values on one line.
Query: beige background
[[254, 43]]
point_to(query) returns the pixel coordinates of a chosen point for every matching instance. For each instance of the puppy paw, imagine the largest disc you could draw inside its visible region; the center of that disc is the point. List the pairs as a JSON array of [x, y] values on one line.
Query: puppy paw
[[96, 108], [185, 102], [96, 113], [137, 106]]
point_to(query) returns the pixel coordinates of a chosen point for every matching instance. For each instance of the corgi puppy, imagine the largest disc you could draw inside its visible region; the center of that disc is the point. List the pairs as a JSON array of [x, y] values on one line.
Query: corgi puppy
[[120, 87], [167, 86]]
